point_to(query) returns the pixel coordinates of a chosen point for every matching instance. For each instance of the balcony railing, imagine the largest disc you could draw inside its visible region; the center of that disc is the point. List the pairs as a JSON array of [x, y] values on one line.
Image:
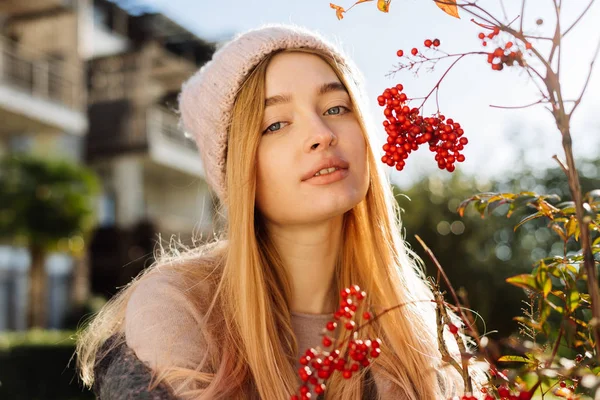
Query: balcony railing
[[38, 76], [165, 123]]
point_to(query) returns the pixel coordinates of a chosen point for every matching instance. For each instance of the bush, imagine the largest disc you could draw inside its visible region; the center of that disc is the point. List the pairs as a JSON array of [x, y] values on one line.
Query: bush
[[39, 365]]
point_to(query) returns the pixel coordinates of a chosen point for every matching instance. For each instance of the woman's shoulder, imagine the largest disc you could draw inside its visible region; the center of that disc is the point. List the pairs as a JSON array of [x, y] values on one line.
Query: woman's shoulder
[[165, 313]]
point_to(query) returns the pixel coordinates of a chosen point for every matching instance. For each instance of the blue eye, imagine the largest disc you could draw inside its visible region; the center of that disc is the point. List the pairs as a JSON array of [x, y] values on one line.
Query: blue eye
[[338, 109], [273, 127]]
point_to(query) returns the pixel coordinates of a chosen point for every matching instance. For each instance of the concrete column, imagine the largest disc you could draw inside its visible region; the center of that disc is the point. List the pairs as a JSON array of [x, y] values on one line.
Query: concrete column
[[128, 179]]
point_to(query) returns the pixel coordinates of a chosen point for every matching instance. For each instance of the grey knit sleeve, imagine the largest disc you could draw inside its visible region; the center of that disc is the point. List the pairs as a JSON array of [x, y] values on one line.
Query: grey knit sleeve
[[120, 375]]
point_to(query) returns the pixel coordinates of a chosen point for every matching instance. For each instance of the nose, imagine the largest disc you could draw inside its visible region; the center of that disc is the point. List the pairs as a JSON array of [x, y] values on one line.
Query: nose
[[321, 135]]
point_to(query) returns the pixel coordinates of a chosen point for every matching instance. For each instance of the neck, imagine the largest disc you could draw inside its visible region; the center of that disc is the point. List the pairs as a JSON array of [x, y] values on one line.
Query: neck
[[310, 254]]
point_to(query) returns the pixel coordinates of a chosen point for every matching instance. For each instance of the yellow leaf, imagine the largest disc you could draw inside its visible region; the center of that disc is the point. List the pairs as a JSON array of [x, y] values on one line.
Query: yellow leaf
[[383, 5], [571, 226], [339, 11], [448, 6]]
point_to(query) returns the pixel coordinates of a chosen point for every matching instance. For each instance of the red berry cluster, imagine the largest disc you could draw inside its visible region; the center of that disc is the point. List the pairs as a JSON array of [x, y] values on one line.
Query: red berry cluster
[[414, 51], [318, 365], [506, 393], [429, 42], [503, 391], [502, 55], [495, 31], [407, 130]]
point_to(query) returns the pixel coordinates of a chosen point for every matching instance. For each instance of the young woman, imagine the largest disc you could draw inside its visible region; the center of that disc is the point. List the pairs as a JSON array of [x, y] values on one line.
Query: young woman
[[279, 118]]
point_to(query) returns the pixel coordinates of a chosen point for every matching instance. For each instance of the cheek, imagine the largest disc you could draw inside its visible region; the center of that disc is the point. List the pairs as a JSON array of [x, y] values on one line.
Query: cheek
[[270, 174]]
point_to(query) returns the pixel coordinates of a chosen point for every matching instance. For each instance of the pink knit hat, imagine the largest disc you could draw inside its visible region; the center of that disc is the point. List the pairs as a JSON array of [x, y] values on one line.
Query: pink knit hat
[[206, 99]]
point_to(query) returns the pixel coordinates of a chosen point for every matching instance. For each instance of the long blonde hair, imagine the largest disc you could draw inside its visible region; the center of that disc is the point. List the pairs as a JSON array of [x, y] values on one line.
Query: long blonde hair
[[251, 290]]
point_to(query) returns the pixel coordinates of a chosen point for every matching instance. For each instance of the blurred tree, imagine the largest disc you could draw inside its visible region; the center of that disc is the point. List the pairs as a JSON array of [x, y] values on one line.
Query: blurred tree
[[45, 205], [479, 254]]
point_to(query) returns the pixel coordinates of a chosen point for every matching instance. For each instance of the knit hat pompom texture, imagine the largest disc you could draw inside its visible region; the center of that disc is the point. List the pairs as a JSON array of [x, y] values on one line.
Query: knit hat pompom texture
[[206, 99]]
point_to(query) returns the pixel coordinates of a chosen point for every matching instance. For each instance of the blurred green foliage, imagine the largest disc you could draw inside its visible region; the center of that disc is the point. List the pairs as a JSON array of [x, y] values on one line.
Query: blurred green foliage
[[45, 200], [479, 254], [39, 365]]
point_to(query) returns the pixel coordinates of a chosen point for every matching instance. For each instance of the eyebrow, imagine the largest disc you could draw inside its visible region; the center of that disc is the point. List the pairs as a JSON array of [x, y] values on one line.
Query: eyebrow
[[323, 89]]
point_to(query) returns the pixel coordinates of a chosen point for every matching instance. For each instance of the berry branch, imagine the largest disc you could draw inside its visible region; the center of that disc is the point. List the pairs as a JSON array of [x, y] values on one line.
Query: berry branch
[[407, 129], [442, 320]]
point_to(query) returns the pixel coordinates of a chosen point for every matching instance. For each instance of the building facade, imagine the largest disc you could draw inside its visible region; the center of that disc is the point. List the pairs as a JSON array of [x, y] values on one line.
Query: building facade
[[93, 83]]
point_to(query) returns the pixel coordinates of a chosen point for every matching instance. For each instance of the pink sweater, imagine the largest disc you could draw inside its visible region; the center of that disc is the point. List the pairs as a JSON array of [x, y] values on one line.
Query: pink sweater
[[161, 328]]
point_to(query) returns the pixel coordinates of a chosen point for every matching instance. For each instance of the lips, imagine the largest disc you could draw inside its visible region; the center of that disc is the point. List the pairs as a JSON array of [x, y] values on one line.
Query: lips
[[328, 162]]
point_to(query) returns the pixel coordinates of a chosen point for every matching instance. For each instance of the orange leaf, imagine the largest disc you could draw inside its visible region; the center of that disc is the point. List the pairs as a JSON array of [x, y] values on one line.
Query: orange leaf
[[383, 5], [339, 11], [448, 6]]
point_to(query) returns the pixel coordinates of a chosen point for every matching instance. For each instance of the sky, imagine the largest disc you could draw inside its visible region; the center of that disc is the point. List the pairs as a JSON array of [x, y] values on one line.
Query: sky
[[372, 38]]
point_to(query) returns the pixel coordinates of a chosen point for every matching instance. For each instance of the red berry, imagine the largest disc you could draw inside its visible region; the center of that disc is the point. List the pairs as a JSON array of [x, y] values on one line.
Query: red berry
[[428, 43], [453, 329], [436, 42], [320, 388], [400, 53], [524, 395], [414, 51], [481, 36], [347, 374]]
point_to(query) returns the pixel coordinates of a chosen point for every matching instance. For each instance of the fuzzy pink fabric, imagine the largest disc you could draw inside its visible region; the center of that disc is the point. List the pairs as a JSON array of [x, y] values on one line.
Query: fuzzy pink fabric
[[206, 99]]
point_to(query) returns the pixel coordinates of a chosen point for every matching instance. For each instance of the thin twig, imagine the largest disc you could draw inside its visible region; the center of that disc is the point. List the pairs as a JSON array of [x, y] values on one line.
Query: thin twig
[[437, 85], [537, 37], [522, 14], [451, 288], [515, 107], [578, 18], [562, 165], [587, 80], [503, 9], [441, 320]]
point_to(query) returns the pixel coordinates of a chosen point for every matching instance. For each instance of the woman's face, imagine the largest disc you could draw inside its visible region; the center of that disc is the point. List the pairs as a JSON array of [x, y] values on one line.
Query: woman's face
[[308, 124]]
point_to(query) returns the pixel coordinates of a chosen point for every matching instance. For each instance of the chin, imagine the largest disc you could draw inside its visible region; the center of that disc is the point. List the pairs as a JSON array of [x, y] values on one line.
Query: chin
[[334, 205]]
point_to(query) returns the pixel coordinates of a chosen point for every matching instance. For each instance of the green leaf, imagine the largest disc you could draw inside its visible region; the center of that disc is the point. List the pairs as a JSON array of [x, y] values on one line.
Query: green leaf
[[527, 219], [520, 202], [525, 281], [556, 308], [528, 194], [559, 230], [514, 359], [586, 298], [493, 205], [463, 205], [579, 322], [571, 226], [573, 300], [545, 312], [547, 286], [480, 206], [543, 279]]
